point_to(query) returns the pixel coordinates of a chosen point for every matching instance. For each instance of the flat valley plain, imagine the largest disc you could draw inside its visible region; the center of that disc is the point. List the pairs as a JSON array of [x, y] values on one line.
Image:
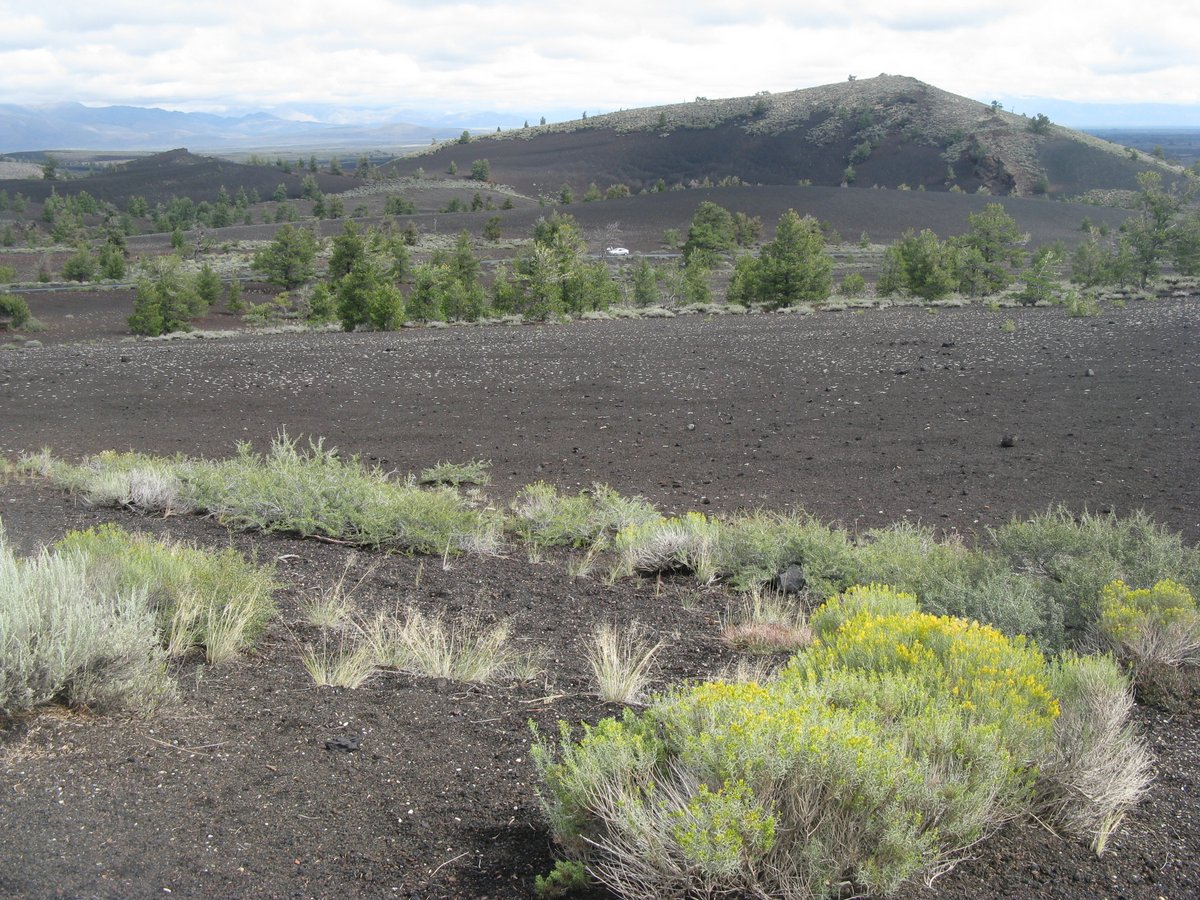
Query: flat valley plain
[[860, 419]]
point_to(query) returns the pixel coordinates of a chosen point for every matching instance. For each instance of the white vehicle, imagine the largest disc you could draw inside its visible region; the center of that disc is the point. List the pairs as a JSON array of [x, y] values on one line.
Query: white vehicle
[[617, 251]]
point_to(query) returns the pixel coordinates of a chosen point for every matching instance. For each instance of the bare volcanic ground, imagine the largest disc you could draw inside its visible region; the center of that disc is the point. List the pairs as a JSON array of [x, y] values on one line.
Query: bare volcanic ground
[[861, 419]]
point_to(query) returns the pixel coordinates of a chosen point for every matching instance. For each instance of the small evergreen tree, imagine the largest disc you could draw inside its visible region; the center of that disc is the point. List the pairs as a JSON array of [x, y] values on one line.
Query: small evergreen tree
[[710, 233], [481, 170], [645, 285], [424, 304], [795, 268], [164, 300], [288, 261], [81, 266], [348, 248], [233, 298], [994, 242], [919, 264], [208, 285]]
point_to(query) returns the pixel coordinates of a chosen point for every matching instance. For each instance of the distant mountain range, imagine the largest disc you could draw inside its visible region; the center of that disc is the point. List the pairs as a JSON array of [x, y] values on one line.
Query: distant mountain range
[[75, 126]]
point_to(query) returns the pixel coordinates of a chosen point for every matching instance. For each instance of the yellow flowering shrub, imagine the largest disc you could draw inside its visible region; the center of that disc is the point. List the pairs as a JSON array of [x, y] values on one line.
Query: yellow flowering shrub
[[877, 599], [1159, 624], [718, 830], [877, 755]]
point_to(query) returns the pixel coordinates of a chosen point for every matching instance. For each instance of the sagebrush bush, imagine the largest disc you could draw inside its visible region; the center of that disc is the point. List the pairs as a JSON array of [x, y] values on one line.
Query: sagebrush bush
[[1099, 767], [688, 543], [755, 548], [137, 480], [1074, 558], [216, 600], [315, 492], [64, 638], [911, 558], [543, 516], [307, 491], [1159, 624], [476, 471], [876, 756], [1014, 603]]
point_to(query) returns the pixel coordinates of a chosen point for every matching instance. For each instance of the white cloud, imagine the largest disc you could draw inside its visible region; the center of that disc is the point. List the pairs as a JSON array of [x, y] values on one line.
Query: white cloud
[[529, 56]]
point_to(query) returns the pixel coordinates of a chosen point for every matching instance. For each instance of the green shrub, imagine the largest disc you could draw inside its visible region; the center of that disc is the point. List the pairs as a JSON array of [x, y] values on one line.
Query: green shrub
[[1073, 559], [80, 266], [1152, 625], [875, 757], [756, 547], [14, 311], [544, 517], [853, 285], [64, 638], [315, 492], [566, 876]]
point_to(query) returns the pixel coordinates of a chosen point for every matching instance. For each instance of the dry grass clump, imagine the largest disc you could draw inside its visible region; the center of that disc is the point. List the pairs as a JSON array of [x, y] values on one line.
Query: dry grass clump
[[334, 607], [766, 622], [431, 646], [621, 662], [1099, 767], [346, 666]]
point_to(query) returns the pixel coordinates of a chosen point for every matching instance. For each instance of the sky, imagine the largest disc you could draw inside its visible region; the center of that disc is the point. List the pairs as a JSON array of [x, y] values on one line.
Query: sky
[[527, 58]]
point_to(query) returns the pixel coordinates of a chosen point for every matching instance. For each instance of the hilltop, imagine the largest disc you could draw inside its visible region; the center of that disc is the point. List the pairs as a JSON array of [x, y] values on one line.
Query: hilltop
[[886, 131]]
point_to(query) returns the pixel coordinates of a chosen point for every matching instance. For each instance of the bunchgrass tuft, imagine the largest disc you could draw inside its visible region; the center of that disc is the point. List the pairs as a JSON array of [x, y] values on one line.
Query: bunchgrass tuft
[[333, 608], [621, 662], [431, 646], [766, 622], [347, 665], [216, 600], [477, 471]]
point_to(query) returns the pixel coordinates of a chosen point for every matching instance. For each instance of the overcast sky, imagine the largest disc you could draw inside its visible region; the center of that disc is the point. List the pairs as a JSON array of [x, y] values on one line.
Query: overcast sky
[[531, 58]]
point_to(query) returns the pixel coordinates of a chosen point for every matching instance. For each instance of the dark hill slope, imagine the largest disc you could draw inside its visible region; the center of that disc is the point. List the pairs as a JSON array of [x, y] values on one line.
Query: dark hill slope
[[177, 173], [889, 131]]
